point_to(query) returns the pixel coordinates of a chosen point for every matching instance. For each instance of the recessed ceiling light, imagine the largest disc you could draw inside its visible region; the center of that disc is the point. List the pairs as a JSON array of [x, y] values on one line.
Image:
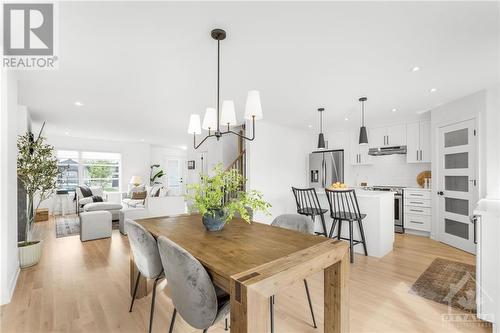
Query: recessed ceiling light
[[142, 140], [433, 90], [309, 126], [183, 147], [78, 103], [415, 69], [66, 133], [394, 110], [346, 119]]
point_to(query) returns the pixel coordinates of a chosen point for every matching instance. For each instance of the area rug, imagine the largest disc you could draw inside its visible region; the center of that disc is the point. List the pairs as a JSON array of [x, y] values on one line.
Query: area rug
[[70, 226], [448, 282]]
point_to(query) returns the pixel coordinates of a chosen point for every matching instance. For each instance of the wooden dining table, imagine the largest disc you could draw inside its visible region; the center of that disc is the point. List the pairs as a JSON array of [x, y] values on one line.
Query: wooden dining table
[[253, 261]]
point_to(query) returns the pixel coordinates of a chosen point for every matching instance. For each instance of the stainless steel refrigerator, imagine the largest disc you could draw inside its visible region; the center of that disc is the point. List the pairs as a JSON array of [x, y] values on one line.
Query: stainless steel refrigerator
[[326, 167]]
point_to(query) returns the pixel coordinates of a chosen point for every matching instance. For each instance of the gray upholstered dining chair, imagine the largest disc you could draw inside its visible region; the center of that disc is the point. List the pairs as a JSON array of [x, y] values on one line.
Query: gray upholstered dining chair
[[146, 258], [300, 223], [199, 302]]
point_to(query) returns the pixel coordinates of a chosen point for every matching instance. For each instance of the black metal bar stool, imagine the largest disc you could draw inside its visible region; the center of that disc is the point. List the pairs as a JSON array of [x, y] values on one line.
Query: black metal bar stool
[[344, 207], [308, 204]]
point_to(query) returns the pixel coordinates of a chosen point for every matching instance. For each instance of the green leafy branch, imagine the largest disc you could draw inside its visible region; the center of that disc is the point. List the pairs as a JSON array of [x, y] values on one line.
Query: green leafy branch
[[224, 192]]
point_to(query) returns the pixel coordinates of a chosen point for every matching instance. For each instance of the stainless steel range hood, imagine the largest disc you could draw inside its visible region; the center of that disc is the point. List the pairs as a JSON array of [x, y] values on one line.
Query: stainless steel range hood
[[387, 151]]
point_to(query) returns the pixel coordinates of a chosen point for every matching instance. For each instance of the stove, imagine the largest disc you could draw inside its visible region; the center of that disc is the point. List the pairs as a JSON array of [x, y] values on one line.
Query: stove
[[390, 188], [398, 204]]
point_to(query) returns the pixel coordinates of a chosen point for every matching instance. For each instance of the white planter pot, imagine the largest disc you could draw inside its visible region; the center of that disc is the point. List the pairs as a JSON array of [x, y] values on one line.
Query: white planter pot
[[29, 255]]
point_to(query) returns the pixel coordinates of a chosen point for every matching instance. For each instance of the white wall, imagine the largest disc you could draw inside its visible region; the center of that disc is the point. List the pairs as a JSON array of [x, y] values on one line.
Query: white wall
[[277, 160], [159, 156], [9, 262], [387, 170], [212, 152], [491, 142]]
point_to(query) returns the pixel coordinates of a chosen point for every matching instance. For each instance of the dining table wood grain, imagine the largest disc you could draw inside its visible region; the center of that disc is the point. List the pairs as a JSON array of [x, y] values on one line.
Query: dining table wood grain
[[253, 261]]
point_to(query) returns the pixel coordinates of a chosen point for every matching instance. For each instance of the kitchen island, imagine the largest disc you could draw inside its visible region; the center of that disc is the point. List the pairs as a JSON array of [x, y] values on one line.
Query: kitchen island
[[378, 223]]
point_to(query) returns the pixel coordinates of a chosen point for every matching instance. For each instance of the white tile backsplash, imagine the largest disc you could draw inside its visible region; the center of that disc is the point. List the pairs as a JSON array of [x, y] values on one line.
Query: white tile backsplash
[[387, 170]]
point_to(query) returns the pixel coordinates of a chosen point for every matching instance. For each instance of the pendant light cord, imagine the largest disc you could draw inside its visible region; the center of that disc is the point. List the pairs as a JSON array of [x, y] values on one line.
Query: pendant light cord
[[321, 121], [218, 84], [363, 113]]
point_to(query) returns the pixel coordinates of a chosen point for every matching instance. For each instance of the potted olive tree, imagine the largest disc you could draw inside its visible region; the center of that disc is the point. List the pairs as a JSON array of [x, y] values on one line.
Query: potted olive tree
[[220, 197], [37, 170]]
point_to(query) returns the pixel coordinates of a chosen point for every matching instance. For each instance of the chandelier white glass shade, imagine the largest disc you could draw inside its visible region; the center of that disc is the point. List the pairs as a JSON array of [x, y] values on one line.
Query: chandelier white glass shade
[[194, 124], [210, 120], [228, 116], [215, 117], [253, 107]]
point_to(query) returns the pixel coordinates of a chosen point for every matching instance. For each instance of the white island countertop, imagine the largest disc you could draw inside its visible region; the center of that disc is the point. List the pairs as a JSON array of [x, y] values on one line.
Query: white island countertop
[[378, 224]]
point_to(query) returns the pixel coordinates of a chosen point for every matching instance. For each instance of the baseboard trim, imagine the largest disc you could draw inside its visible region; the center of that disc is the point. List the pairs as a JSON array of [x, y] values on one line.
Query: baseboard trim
[[417, 232], [12, 286]]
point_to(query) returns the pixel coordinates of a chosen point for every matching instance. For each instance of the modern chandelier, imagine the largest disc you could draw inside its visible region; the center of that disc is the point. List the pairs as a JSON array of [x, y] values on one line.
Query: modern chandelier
[[213, 118]]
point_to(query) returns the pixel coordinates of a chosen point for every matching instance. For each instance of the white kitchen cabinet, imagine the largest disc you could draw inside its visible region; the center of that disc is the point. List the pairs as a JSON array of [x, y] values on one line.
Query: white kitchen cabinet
[[425, 141], [396, 135], [359, 153], [387, 136], [417, 209], [377, 136], [418, 142]]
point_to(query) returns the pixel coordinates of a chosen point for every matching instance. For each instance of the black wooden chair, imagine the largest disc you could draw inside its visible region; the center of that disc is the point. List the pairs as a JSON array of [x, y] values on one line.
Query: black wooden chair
[[344, 207], [308, 204]]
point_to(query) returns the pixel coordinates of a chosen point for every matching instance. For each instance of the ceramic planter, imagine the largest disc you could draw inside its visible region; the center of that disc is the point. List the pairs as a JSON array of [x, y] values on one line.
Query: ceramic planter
[[214, 222], [29, 255]]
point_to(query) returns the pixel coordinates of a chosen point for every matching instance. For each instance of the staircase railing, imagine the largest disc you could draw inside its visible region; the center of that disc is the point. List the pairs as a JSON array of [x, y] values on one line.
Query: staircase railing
[[239, 165]]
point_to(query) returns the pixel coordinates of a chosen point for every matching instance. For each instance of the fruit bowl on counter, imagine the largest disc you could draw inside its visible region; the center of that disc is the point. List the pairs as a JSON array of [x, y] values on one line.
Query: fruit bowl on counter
[[338, 186]]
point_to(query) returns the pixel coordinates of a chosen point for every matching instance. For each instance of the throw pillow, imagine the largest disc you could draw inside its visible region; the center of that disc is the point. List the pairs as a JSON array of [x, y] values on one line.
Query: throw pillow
[[139, 195], [86, 191]]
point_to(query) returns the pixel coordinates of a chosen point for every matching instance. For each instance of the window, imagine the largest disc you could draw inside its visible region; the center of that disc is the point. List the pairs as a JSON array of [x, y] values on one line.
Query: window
[[89, 168], [67, 163]]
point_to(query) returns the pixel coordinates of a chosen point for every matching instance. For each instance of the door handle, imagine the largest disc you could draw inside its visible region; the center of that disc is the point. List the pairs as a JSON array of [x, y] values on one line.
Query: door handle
[[387, 140], [440, 193], [474, 219], [417, 155]]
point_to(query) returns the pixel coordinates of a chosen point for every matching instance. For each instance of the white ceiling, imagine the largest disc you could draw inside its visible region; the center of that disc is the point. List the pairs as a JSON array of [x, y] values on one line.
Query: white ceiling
[[142, 68]]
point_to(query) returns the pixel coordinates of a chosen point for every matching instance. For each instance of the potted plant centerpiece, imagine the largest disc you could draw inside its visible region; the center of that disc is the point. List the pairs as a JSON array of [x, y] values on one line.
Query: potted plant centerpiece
[[220, 197], [37, 170]]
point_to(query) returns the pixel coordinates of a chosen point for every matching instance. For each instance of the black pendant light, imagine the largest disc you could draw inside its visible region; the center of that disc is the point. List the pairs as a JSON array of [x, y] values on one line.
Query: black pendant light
[[321, 137], [363, 136]]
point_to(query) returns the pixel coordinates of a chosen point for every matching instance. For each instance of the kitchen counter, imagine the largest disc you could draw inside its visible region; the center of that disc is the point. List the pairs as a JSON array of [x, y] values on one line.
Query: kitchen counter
[[378, 223]]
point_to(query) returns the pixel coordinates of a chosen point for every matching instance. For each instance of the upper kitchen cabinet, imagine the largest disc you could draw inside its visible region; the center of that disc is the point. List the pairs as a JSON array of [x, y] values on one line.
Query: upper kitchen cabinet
[[387, 136], [359, 153], [418, 142]]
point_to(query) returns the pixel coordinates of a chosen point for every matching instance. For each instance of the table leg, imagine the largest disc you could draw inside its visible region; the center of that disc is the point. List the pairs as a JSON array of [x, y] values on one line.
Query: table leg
[[336, 291], [142, 288], [249, 310]]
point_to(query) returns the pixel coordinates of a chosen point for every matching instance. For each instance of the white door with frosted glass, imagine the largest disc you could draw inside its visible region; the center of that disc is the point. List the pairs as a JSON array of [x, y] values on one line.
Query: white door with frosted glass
[[457, 185], [175, 176]]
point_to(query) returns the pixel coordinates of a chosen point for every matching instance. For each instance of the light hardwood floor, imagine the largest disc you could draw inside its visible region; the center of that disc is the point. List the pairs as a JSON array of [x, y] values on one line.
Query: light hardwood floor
[[84, 287]]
